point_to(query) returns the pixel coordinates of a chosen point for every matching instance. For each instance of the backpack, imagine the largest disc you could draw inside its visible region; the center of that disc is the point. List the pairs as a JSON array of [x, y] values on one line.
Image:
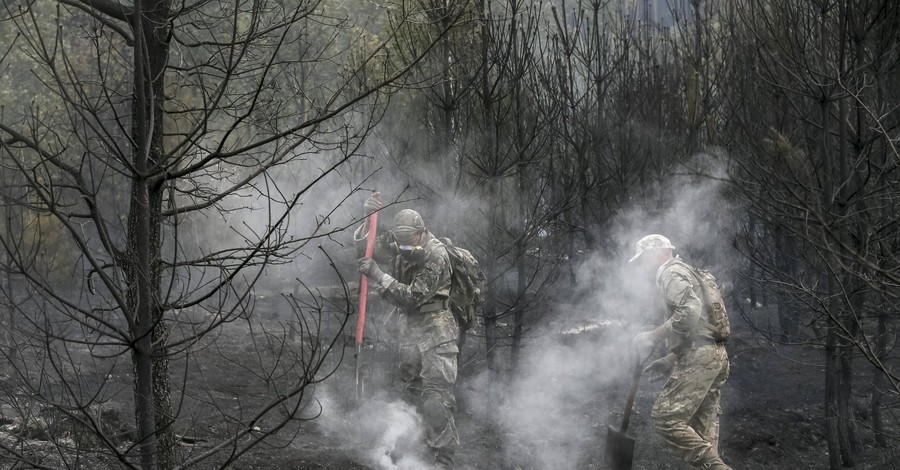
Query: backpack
[[467, 285], [713, 305]]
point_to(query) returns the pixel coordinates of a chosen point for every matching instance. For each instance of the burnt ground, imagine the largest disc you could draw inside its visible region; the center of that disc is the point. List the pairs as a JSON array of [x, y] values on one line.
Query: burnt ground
[[773, 417]]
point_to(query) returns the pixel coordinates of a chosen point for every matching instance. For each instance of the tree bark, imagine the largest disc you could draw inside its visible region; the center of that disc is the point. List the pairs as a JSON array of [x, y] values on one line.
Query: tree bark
[[490, 303], [143, 258], [8, 315], [832, 390], [879, 382]]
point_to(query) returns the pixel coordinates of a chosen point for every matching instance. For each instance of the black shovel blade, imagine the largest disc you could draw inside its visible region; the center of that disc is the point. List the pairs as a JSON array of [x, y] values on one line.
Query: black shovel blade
[[619, 450]]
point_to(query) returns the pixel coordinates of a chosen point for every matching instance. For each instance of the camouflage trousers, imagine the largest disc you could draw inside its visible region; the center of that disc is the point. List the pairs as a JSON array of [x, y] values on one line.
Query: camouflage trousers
[[686, 413], [429, 377]]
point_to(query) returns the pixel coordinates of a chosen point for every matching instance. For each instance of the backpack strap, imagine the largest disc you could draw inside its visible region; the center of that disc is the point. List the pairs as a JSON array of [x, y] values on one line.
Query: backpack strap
[[445, 242]]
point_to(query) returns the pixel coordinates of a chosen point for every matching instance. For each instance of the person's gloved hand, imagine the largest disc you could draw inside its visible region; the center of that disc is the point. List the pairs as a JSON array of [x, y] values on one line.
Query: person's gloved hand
[[373, 203], [643, 344], [660, 368], [370, 268]]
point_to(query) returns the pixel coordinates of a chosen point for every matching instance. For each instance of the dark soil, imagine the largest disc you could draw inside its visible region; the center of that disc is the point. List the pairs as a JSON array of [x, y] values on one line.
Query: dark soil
[[773, 417]]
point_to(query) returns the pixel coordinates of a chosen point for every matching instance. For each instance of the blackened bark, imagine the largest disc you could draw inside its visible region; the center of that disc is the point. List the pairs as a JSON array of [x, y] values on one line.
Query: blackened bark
[[880, 381], [490, 303], [832, 385], [143, 258]]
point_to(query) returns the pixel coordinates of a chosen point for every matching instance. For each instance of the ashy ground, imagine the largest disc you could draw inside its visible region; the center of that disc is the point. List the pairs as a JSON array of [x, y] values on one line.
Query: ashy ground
[[553, 414]]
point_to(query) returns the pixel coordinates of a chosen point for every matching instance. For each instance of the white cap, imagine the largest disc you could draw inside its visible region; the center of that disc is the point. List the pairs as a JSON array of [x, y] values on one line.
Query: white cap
[[651, 242]]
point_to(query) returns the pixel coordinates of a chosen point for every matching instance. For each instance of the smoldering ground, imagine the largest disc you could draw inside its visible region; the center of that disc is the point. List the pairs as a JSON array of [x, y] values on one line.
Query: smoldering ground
[[382, 432]]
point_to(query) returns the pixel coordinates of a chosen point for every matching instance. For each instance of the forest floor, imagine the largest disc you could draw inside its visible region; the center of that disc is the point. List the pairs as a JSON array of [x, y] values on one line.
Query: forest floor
[[773, 417]]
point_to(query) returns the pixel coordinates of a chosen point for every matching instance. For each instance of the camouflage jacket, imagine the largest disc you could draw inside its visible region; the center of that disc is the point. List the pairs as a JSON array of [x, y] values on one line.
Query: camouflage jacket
[[421, 284], [682, 294]]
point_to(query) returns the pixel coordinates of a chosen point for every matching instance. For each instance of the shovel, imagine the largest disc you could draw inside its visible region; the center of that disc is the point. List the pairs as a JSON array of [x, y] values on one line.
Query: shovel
[[363, 296], [619, 447]]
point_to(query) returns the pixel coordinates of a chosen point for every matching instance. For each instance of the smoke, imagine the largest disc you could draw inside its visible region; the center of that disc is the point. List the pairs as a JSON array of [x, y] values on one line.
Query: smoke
[[550, 414], [575, 367], [575, 363], [384, 434], [311, 232]]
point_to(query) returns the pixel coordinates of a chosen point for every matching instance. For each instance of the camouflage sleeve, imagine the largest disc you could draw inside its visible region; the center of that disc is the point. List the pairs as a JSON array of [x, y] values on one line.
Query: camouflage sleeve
[[686, 307], [431, 280]]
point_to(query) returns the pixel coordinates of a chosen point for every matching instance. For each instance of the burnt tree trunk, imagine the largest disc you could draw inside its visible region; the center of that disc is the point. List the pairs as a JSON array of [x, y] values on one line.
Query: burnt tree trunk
[[9, 312], [879, 382], [832, 391], [153, 411], [490, 303]]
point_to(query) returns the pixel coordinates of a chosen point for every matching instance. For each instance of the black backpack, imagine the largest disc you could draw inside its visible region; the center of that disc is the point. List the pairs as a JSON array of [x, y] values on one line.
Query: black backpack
[[467, 285]]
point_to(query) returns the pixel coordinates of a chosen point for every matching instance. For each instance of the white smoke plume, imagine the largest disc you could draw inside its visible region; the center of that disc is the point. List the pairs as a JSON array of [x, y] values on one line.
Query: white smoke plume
[[575, 364], [384, 434], [575, 370]]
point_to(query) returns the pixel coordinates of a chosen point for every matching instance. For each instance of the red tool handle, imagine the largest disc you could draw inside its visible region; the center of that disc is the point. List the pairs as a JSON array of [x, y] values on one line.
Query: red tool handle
[[364, 281]]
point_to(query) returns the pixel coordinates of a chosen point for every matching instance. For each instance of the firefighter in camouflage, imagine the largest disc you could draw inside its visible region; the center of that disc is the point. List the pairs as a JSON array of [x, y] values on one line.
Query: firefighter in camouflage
[[686, 412], [420, 288]]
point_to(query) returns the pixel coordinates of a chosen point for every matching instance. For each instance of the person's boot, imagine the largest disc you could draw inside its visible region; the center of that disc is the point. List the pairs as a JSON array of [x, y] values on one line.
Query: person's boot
[[443, 459], [714, 464], [711, 461]]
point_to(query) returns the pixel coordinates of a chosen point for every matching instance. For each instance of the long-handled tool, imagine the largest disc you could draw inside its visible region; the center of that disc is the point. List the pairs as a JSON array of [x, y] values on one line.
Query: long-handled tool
[[363, 296], [619, 447]]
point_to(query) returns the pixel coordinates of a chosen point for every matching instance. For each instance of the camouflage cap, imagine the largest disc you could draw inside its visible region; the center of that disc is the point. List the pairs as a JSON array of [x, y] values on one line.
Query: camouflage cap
[[406, 224], [651, 242]]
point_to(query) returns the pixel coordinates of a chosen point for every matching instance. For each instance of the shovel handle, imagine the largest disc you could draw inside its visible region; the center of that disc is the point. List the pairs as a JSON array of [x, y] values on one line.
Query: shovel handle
[[364, 281], [629, 403]]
